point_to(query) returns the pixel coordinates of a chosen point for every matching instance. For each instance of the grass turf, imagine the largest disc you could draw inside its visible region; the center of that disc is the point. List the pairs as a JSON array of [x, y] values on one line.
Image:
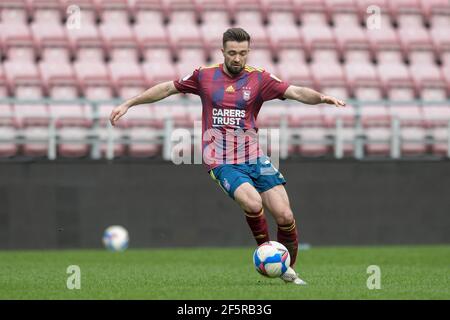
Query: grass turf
[[413, 272]]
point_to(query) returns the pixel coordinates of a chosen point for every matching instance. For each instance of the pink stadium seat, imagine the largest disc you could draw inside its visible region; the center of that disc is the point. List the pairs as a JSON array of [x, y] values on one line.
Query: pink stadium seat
[[87, 36], [361, 75], [378, 141], [17, 41], [118, 36], [118, 148], [214, 12], [184, 35], [408, 115], [383, 39], [57, 75], [148, 145], [104, 111], [180, 116], [351, 38], [295, 72], [139, 116], [327, 74], [118, 11], [270, 115], [394, 76], [73, 142], [413, 141], [446, 73], [437, 12], [348, 140], [347, 116], [183, 10], [19, 74], [407, 13], [413, 39], [436, 116], [312, 11], [39, 146], [8, 148], [375, 116], [440, 141], [126, 74], [440, 39], [149, 11], [428, 77], [284, 36], [48, 34], [212, 37], [305, 116], [258, 33], [71, 115], [344, 12], [318, 37], [261, 58], [4, 88], [151, 36], [47, 11], [15, 12], [155, 72], [313, 142], [280, 12], [7, 115], [31, 115], [93, 79], [194, 56]]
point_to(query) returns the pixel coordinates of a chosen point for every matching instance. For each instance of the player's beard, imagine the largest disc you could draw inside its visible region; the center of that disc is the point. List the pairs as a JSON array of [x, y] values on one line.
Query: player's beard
[[234, 69]]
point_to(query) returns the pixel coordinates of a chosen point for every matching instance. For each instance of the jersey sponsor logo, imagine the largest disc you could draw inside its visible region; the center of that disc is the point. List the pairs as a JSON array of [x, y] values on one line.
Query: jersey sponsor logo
[[227, 117]]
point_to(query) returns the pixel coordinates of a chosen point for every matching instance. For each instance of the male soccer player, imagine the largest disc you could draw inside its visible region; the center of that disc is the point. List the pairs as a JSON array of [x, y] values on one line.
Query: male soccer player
[[232, 94]]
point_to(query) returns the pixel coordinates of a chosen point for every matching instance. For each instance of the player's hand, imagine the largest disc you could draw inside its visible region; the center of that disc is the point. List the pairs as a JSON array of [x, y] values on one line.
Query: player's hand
[[333, 100], [118, 112]]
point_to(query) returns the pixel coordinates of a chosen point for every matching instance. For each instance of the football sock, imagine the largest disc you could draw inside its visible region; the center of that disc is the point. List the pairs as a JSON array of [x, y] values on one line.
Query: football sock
[[287, 235], [258, 224]]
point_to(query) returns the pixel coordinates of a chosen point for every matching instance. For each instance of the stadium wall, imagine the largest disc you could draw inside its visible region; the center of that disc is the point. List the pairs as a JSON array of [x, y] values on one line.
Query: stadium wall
[[68, 205]]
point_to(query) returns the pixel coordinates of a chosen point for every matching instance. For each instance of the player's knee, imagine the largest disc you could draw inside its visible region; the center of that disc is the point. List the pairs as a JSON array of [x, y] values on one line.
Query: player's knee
[[284, 217], [252, 204]]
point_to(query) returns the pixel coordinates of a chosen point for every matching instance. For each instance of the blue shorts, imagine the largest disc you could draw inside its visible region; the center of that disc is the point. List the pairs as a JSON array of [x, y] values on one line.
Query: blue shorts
[[262, 175]]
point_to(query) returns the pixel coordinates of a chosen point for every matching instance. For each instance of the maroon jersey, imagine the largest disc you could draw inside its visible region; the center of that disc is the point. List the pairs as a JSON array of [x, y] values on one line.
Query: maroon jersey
[[230, 109]]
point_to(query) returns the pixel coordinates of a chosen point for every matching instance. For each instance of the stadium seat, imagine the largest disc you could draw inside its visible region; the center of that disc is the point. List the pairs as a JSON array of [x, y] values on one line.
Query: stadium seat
[[305, 116], [94, 79], [350, 39], [436, 116], [412, 39], [151, 36], [344, 13], [37, 141], [436, 12], [183, 10], [215, 12], [71, 115], [317, 37], [31, 115], [348, 136], [126, 74], [375, 116], [17, 41], [312, 12], [119, 148], [396, 78], [247, 12], [184, 35], [440, 137], [313, 142], [8, 147], [270, 115], [47, 11], [143, 142], [4, 88], [23, 79], [118, 36], [361, 75], [7, 115], [261, 58], [212, 38], [139, 116], [407, 13], [408, 115], [429, 81], [284, 36], [192, 57], [413, 141], [117, 11], [326, 75], [346, 114], [72, 142], [378, 141], [295, 71], [15, 12], [384, 39], [49, 34], [440, 40], [258, 33], [58, 75], [155, 72], [281, 12]]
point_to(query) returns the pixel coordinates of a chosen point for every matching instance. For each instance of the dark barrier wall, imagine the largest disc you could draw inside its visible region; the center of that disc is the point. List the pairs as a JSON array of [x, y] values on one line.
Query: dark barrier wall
[[68, 205]]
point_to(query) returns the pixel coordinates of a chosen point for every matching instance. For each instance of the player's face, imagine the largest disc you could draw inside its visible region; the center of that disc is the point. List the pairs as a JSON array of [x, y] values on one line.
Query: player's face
[[235, 54]]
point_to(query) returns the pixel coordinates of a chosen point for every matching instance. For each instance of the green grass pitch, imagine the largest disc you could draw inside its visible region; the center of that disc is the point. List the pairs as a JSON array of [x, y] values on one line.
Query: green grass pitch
[[407, 272]]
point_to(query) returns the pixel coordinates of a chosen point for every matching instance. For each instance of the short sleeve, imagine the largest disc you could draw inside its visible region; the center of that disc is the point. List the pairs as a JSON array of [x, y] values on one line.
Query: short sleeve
[[272, 87], [189, 83]]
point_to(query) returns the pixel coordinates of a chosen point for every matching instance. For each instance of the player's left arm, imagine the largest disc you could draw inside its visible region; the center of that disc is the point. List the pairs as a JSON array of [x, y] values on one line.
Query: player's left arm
[[310, 96]]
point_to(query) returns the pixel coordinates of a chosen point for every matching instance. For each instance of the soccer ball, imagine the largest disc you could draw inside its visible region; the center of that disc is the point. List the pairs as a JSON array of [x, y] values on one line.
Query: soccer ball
[[115, 238], [271, 259]]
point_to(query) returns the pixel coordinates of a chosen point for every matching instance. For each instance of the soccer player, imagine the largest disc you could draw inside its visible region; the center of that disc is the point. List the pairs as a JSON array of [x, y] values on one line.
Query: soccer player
[[232, 94]]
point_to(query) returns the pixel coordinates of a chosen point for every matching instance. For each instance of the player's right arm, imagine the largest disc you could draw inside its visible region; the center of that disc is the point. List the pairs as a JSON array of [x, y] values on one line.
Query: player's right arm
[[153, 94]]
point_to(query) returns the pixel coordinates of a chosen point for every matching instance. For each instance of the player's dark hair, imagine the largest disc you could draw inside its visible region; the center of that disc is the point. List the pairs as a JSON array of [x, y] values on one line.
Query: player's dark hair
[[235, 34]]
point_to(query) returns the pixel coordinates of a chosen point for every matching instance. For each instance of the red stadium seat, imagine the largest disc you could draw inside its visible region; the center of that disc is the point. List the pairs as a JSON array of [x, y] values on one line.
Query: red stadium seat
[[441, 40], [86, 43], [151, 36], [118, 147], [194, 56]]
